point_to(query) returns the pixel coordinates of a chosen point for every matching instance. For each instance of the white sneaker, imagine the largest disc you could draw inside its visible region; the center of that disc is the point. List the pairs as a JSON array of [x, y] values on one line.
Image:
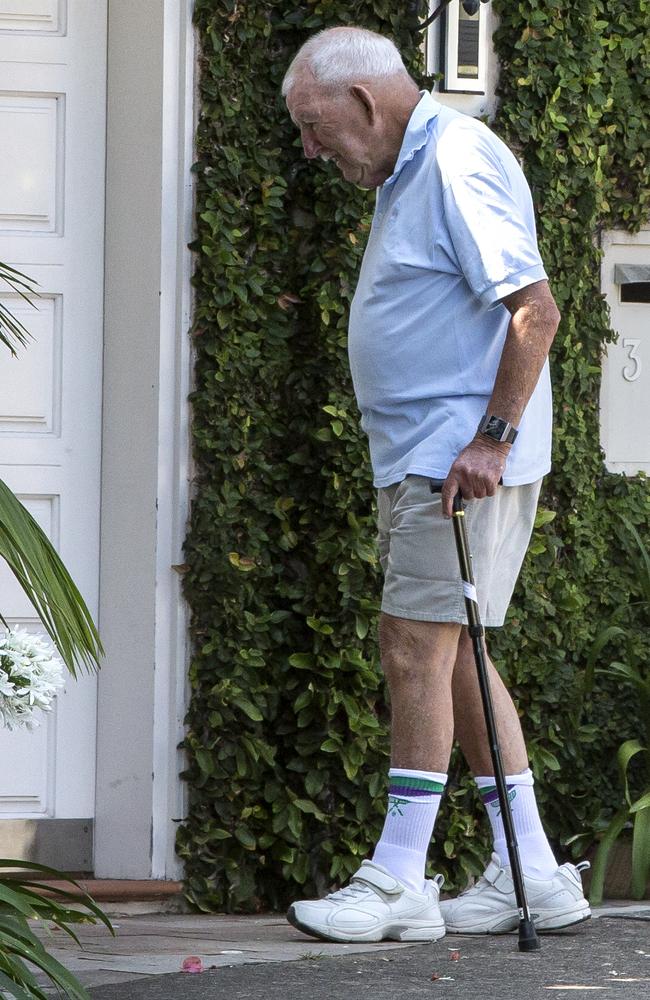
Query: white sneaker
[[490, 907], [373, 907]]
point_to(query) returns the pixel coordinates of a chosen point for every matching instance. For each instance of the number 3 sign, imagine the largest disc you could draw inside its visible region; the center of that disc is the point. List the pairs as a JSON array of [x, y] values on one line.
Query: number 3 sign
[[632, 374]]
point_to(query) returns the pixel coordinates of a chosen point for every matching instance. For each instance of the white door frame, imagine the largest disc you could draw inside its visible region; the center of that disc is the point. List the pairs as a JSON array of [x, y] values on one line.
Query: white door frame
[[146, 465]]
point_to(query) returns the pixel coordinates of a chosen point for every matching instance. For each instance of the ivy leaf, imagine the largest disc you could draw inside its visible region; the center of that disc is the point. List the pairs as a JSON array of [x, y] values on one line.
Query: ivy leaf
[[301, 660], [245, 838], [330, 746], [251, 710], [309, 807]]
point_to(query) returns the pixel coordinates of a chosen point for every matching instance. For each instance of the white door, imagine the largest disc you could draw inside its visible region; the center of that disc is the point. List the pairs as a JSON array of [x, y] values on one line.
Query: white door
[[52, 149]]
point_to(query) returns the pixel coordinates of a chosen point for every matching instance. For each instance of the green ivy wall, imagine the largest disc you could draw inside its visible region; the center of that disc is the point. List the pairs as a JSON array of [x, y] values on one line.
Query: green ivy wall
[[287, 737]]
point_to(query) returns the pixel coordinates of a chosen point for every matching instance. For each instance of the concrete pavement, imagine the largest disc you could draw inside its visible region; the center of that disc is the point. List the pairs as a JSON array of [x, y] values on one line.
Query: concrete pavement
[[609, 958], [263, 956]]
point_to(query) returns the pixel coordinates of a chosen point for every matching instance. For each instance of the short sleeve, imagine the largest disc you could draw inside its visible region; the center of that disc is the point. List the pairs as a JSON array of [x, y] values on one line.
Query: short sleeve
[[495, 245]]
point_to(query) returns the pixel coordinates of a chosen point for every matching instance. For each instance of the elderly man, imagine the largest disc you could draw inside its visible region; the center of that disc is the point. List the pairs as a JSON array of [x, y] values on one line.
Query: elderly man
[[450, 329]]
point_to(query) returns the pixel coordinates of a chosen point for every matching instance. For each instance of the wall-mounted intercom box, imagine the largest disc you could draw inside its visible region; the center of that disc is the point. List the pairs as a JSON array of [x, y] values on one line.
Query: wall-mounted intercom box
[[625, 386], [460, 35], [459, 51]]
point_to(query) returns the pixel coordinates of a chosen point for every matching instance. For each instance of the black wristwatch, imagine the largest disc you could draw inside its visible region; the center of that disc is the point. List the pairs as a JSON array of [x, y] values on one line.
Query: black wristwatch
[[497, 429]]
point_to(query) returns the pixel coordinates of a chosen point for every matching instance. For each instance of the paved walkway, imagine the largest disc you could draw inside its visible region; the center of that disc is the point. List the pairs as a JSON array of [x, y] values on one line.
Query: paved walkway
[[264, 957]]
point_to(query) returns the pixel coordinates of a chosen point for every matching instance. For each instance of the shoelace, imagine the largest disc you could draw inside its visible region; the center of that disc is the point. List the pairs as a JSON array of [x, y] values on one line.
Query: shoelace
[[353, 891]]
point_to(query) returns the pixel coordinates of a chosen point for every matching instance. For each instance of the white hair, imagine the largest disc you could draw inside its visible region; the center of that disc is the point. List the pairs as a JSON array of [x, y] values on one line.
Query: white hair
[[340, 55]]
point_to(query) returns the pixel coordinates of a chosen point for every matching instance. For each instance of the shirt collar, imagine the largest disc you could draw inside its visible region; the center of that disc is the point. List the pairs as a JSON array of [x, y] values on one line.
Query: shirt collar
[[417, 132]]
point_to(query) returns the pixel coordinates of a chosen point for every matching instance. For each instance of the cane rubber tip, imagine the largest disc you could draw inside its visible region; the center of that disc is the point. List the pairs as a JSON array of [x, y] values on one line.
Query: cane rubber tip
[[528, 940]]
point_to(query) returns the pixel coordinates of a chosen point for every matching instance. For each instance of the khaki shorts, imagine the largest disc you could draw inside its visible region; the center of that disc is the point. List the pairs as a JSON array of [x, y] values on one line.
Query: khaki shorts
[[418, 553]]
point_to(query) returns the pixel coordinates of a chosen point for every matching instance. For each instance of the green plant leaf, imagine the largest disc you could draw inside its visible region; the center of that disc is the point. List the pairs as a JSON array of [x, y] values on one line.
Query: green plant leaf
[[16, 990], [643, 802], [626, 752], [599, 866], [32, 951], [604, 637], [248, 708], [544, 516], [42, 576], [306, 806], [330, 746], [245, 837], [301, 660], [80, 897], [641, 849], [12, 332], [644, 574], [625, 672]]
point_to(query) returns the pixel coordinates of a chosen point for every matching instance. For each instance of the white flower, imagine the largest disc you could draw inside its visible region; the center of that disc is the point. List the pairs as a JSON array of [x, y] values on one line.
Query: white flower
[[30, 674]]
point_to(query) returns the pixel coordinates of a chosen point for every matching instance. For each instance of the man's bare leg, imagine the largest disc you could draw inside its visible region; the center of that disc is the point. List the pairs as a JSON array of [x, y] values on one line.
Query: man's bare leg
[[393, 898], [418, 661], [537, 858], [469, 720]]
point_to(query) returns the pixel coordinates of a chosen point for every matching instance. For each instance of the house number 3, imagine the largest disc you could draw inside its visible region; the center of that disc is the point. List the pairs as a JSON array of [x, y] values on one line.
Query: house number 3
[[632, 374]]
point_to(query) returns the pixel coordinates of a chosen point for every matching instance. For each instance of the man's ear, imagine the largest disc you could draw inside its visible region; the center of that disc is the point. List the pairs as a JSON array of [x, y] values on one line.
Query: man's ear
[[367, 100]]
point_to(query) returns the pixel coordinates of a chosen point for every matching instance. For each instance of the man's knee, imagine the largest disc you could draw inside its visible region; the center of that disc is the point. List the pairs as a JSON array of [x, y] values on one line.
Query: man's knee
[[465, 651], [410, 649]]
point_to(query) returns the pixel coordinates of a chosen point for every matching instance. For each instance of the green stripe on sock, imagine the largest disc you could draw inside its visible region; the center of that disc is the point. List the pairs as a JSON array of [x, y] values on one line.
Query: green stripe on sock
[[422, 784]]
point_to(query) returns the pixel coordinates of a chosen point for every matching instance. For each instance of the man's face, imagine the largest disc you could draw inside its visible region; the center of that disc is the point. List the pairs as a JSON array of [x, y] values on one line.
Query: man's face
[[341, 127]]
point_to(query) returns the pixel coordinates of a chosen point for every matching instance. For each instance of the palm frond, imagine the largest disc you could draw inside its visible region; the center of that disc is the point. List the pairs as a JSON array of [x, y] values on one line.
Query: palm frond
[[48, 585], [12, 332], [20, 948], [49, 909]]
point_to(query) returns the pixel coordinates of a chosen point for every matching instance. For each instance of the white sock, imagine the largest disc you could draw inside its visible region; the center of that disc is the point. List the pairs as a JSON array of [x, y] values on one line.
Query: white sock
[[413, 802], [537, 858]]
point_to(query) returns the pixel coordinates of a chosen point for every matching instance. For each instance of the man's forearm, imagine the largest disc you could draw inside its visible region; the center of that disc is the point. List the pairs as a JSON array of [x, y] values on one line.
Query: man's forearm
[[534, 321], [533, 324]]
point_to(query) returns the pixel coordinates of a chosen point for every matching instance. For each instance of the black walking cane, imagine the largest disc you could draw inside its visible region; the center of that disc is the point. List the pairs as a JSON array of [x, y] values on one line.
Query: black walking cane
[[528, 940]]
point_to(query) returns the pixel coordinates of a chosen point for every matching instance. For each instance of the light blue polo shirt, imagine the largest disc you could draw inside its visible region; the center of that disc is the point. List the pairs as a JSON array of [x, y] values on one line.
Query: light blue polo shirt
[[453, 233]]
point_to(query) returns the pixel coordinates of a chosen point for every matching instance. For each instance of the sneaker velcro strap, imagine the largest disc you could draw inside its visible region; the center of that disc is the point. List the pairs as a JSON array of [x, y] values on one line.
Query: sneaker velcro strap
[[503, 881], [498, 877], [492, 872], [378, 878]]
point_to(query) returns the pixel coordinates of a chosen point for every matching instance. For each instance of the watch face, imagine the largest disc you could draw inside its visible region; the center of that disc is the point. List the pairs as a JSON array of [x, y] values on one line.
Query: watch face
[[497, 429]]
